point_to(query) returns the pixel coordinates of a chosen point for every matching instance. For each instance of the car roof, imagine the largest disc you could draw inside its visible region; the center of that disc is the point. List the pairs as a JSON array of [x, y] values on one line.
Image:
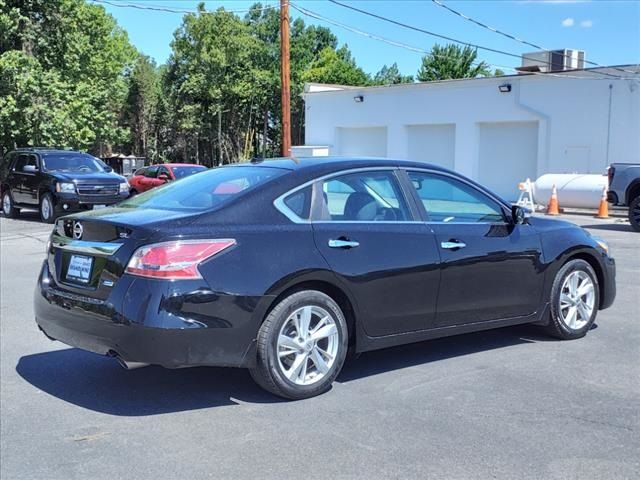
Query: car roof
[[336, 163], [179, 165], [45, 150]]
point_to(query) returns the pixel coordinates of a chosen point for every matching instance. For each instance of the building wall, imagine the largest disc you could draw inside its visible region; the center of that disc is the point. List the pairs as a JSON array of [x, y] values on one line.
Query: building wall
[[463, 118]]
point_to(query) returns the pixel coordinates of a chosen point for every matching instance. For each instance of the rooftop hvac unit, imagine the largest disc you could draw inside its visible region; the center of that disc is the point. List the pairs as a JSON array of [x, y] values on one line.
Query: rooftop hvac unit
[[553, 60]]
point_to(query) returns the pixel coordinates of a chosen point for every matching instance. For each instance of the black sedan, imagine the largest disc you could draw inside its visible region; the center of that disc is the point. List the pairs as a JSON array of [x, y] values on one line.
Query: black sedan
[[282, 266]]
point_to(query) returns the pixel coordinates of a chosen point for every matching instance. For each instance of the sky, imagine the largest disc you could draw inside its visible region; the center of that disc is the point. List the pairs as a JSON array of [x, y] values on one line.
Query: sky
[[608, 30]]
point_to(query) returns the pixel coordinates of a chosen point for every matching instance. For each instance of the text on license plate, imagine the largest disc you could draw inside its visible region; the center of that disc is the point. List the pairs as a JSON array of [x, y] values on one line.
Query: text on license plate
[[79, 269]]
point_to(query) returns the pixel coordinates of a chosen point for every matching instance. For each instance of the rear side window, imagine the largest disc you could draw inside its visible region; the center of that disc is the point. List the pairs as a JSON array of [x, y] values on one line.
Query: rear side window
[[364, 197], [205, 191], [448, 200], [141, 171], [299, 203]]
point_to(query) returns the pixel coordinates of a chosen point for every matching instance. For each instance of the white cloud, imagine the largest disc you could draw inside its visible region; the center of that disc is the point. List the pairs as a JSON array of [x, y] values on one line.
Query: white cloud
[[568, 22], [586, 23]]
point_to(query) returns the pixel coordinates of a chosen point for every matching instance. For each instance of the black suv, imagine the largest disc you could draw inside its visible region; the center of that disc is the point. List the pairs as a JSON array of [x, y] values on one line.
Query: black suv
[[56, 182]]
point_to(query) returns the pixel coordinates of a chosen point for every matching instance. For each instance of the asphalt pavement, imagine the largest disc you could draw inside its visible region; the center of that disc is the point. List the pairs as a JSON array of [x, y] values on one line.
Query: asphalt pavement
[[508, 403]]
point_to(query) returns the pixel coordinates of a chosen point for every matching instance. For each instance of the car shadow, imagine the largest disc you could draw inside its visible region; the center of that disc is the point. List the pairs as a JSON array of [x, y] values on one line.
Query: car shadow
[[27, 216], [98, 383], [381, 361], [618, 227]]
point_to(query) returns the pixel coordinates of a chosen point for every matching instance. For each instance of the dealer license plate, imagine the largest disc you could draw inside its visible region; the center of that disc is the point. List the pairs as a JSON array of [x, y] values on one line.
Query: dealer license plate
[[79, 269]]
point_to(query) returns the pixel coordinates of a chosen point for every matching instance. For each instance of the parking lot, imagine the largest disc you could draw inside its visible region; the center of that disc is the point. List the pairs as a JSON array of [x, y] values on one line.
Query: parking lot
[[508, 403]]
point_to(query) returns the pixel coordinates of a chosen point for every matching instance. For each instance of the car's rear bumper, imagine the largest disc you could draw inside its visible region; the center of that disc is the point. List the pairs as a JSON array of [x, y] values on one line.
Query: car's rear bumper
[[142, 321], [612, 197]]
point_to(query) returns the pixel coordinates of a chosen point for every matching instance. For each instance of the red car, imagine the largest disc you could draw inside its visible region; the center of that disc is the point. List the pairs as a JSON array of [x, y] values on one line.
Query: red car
[[155, 175]]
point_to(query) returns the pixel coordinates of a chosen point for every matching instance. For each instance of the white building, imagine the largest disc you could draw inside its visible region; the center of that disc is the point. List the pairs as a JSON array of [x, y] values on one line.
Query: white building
[[497, 130]]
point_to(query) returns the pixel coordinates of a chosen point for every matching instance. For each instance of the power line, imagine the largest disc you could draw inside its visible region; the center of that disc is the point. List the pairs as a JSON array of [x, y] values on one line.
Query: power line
[[513, 37], [444, 37], [373, 36], [175, 10], [411, 48]]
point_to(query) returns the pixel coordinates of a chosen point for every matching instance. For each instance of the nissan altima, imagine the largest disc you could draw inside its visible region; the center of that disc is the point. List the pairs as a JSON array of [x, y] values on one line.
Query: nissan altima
[[283, 266]]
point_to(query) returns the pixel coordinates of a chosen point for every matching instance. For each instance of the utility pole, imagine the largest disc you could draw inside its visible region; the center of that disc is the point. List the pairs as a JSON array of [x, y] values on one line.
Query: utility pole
[[284, 78]]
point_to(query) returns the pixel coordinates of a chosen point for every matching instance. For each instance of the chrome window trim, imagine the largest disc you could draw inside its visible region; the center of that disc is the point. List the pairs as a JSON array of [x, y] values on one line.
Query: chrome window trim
[[287, 212], [486, 193], [100, 249]]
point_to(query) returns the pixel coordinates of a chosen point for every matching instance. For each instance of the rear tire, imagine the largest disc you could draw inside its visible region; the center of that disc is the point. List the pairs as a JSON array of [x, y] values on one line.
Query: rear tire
[[634, 213], [302, 345], [7, 206], [47, 209], [575, 298]]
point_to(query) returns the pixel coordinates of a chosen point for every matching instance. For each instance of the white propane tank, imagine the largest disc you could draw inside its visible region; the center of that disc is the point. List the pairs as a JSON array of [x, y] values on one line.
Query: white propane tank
[[575, 190]]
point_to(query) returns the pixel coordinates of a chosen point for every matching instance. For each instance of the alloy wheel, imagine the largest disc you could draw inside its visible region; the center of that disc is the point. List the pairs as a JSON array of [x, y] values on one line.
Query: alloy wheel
[[6, 203], [307, 345], [45, 209], [577, 300]]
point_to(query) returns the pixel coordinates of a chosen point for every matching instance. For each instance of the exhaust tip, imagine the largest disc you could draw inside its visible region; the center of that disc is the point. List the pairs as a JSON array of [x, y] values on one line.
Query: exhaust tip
[[125, 364]]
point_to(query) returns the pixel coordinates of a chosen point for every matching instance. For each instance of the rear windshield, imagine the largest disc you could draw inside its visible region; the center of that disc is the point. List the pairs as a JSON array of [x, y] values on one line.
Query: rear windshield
[[72, 162], [181, 172], [204, 191]]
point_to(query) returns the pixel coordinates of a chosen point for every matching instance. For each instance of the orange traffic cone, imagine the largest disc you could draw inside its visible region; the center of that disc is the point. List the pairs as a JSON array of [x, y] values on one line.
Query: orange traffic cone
[[603, 208], [552, 208]]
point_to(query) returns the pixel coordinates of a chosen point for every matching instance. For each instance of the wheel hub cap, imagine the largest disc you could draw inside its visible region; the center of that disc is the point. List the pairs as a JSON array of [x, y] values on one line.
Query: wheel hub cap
[[307, 345], [577, 300]]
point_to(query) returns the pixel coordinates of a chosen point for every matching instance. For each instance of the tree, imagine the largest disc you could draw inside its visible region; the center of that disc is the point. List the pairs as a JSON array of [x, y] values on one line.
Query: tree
[[336, 66], [451, 61], [390, 76], [498, 72], [62, 74], [142, 107]]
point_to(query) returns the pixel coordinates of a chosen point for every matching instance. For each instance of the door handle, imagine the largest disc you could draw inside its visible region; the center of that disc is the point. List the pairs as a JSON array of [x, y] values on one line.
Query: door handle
[[452, 245], [342, 243]]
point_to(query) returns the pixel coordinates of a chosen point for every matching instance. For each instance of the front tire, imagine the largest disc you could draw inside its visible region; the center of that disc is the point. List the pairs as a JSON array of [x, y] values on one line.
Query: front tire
[[8, 208], [302, 345], [634, 213], [47, 209], [575, 298]]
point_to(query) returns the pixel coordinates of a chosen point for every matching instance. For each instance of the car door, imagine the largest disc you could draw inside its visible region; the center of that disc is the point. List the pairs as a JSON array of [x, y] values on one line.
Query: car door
[[31, 180], [491, 268], [163, 171], [374, 242], [150, 176], [22, 179]]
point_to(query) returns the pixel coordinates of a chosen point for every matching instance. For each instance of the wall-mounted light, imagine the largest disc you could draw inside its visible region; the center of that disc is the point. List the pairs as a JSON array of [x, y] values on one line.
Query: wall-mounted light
[[358, 99], [504, 88]]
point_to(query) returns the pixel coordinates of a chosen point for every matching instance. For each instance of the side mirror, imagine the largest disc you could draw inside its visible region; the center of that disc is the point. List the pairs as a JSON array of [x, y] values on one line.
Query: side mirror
[[108, 169], [520, 214], [30, 169], [164, 177]]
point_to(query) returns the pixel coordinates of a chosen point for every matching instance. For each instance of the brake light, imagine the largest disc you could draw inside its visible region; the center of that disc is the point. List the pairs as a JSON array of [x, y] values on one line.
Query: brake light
[[610, 173], [177, 260]]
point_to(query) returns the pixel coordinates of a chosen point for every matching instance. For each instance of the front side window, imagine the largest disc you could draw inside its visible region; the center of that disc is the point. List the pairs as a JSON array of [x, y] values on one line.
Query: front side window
[[151, 172], [449, 200], [364, 197]]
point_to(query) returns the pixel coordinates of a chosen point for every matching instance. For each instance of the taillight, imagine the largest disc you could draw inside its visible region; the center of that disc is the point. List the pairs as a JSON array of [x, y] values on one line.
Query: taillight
[[177, 260]]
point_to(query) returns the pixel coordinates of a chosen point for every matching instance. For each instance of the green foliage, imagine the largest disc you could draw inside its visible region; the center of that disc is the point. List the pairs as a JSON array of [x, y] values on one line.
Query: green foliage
[[498, 72], [451, 61], [335, 66], [391, 76], [62, 67]]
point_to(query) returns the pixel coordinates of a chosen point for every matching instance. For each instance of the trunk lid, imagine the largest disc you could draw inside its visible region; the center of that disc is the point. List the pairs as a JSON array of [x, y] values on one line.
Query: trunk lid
[[89, 251]]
